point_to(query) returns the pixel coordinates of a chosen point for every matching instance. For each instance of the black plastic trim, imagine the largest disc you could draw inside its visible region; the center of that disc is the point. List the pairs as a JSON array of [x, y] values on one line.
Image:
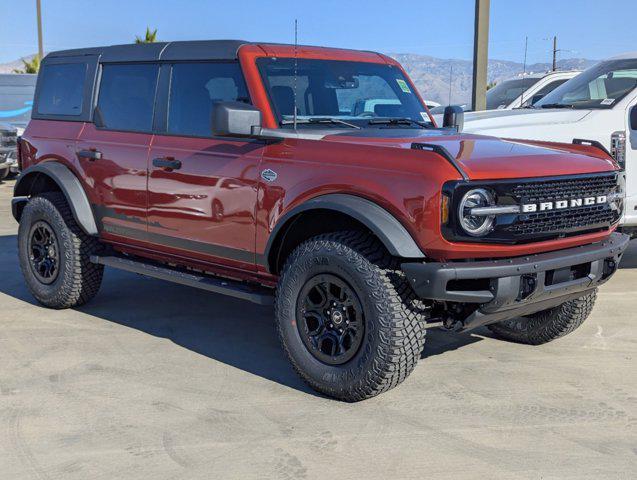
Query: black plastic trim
[[591, 143], [219, 251], [443, 152], [70, 186], [431, 280], [383, 224]]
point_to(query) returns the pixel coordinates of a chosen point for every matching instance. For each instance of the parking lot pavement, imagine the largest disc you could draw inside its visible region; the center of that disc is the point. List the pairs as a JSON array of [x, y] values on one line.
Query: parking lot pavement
[[157, 381]]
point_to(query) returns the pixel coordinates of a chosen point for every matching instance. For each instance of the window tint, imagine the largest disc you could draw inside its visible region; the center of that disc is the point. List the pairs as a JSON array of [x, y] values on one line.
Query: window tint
[[542, 92], [351, 91], [127, 95], [505, 92], [195, 87], [62, 89], [600, 87]]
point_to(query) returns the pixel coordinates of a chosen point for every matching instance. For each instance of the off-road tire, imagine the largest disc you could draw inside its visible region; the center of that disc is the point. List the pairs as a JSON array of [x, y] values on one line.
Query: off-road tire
[[394, 333], [78, 280], [547, 325]]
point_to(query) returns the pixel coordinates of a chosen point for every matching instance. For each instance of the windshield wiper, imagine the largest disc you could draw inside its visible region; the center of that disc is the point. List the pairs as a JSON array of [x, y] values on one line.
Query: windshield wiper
[[395, 121], [319, 120], [557, 105]]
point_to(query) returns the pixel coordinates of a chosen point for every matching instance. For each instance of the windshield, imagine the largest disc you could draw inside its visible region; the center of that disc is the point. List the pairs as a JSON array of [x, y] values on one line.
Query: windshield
[[16, 99], [505, 92], [341, 94], [601, 86]]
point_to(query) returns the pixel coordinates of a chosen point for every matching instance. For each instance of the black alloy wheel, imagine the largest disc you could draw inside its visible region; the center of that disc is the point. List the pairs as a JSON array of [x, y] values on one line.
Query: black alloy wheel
[[44, 252], [330, 319]]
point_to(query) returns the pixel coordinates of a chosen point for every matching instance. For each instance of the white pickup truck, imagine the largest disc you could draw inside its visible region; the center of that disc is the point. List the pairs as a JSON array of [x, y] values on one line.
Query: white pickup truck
[[597, 107]]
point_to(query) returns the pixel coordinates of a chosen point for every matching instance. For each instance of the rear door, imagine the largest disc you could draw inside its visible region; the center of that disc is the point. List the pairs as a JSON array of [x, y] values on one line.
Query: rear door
[[202, 190], [113, 150]]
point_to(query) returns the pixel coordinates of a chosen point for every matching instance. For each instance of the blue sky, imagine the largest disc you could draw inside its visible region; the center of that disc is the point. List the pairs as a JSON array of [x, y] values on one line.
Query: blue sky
[[444, 28]]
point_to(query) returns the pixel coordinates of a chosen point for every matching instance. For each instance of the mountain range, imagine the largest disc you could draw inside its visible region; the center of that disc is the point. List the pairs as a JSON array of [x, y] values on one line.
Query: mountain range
[[431, 75]]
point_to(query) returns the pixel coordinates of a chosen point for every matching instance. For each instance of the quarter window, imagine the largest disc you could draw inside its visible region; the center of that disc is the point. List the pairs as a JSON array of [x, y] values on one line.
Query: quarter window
[[194, 87], [127, 96], [62, 89]]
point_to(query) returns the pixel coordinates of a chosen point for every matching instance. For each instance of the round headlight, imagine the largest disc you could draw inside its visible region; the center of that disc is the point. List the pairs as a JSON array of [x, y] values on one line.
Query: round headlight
[[476, 225]]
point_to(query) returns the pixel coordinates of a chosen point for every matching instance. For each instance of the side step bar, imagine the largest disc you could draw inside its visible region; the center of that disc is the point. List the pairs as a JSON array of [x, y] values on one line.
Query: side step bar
[[254, 294]]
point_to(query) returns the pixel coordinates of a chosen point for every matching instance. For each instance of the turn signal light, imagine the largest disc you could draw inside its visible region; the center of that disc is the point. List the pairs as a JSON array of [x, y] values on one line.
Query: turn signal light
[[444, 209]]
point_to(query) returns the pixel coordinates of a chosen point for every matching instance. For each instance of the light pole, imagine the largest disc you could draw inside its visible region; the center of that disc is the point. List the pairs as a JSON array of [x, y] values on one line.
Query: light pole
[[480, 55], [39, 13]]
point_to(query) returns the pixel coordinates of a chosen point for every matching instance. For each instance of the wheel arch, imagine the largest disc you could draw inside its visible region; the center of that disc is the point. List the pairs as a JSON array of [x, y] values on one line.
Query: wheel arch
[[340, 211], [52, 176]]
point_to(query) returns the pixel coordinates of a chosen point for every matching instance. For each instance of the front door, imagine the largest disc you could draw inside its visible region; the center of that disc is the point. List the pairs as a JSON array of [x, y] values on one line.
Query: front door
[[202, 190]]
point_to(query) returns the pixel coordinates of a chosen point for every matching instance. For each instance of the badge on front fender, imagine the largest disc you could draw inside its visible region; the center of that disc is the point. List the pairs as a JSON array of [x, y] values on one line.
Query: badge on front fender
[[269, 175]]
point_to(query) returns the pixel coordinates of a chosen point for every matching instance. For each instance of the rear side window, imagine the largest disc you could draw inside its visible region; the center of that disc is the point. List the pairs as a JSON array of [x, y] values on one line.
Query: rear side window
[[62, 89], [126, 97], [194, 87]]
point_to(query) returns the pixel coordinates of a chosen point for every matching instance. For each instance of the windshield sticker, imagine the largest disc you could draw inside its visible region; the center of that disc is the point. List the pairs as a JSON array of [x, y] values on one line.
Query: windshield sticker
[[607, 101], [403, 85], [424, 116]]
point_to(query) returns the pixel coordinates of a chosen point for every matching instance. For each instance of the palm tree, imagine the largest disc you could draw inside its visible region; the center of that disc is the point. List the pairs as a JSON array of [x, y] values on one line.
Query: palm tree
[[30, 66], [150, 37]]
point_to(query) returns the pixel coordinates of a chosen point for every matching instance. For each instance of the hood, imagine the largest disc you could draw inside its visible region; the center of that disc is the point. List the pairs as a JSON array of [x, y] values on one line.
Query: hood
[[487, 158], [495, 119]]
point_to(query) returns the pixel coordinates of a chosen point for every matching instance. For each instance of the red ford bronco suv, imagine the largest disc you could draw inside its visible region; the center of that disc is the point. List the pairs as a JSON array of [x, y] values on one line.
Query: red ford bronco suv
[[316, 173]]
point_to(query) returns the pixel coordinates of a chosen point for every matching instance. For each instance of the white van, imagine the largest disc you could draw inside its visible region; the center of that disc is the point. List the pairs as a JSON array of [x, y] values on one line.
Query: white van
[[597, 107]]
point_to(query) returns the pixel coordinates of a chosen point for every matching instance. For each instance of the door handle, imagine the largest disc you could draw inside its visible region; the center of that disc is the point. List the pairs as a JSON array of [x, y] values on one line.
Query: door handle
[[90, 154], [167, 163]]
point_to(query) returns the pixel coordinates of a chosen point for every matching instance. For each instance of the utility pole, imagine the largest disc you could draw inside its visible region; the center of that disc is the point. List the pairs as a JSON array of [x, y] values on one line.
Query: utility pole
[[555, 53], [480, 55], [39, 12]]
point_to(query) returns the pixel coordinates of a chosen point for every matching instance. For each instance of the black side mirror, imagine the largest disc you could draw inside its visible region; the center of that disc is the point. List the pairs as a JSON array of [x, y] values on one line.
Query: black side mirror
[[453, 118], [633, 118], [235, 119]]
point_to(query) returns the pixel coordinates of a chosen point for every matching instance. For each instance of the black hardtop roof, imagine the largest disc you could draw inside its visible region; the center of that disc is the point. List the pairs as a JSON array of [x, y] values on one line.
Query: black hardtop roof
[[148, 52]]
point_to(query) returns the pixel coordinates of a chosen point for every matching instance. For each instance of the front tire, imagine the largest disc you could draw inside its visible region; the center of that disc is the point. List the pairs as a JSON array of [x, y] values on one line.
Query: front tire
[[547, 325], [55, 253], [347, 318]]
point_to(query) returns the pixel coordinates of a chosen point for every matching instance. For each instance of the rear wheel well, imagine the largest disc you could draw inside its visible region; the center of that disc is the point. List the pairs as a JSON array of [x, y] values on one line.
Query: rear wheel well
[[304, 226], [33, 184]]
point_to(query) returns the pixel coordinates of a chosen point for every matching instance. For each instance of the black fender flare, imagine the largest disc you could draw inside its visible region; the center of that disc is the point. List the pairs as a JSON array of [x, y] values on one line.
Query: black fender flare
[[393, 235], [68, 183]]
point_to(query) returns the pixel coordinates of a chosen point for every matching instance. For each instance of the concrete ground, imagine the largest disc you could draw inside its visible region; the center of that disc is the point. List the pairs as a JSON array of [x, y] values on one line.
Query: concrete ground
[[157, 381]]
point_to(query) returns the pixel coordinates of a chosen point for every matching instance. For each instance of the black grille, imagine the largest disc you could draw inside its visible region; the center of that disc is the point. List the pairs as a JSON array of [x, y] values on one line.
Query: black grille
[[550, 190], [567, 221], [539, 225], [558, 221]]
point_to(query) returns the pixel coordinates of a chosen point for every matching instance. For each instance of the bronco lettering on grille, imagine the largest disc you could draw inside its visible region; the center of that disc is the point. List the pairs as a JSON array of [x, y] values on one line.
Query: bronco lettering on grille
[[563, 204]]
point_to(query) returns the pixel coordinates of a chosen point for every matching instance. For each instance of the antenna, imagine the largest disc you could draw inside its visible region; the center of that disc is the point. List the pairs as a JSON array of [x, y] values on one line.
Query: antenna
[[450, 77], [296, 42], [526, 47]]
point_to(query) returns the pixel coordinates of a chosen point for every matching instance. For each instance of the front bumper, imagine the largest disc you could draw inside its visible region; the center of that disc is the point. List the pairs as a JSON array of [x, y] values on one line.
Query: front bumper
[[508, 288]]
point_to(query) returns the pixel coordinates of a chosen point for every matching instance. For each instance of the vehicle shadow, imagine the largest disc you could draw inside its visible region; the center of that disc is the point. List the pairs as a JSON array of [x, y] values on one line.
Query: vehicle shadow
[[227, 330], [629, 260]]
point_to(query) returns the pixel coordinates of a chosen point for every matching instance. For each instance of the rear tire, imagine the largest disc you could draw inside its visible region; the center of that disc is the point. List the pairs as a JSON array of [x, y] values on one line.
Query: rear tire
[[389, 328], [547, 325], [55, 253]]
